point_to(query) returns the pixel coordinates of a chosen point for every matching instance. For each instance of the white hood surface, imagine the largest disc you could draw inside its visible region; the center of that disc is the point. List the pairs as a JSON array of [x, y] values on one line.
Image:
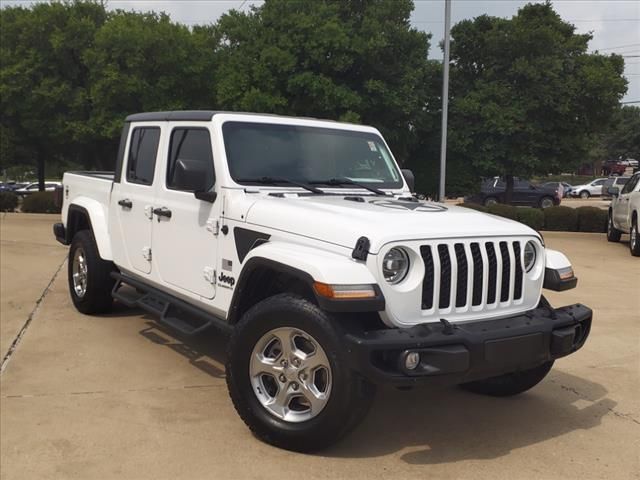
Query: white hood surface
[[341, 221]]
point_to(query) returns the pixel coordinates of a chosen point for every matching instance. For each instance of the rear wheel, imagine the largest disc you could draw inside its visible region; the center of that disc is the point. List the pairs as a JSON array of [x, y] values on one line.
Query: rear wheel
[[288, 376], [89, 276], [584, 194], [634, 241], [510, 383], [490, 201], [613, 234], [546, 202]]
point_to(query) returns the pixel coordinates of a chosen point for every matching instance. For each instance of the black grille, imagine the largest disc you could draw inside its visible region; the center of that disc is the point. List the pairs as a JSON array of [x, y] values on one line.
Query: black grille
[[445, 276], [463, 272], [493, 272], [427, 284], [477, 274], [517, 288], [506, 271]]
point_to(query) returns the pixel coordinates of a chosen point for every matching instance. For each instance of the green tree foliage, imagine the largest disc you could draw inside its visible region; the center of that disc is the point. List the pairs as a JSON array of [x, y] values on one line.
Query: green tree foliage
[[350, 60], [622, 138], [525, 94]]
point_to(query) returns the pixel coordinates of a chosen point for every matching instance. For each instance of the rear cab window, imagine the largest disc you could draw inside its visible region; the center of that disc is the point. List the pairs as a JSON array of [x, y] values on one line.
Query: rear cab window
[[143, 151]]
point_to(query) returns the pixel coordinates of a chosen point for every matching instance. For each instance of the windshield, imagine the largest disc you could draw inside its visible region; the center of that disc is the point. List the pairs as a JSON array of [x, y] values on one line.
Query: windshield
[[307, 154]]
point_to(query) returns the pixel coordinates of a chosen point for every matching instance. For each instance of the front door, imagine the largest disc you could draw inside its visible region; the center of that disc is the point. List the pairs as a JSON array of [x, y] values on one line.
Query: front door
[[622, 208], [132, 201], [184, 227]]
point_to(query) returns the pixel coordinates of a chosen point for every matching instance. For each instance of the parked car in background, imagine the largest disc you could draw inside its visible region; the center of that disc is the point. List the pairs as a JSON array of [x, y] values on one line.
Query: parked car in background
[[11, 186], [624, 212], [566, 188], [525, 193], [618, 182], [593, 189], [34, 187]]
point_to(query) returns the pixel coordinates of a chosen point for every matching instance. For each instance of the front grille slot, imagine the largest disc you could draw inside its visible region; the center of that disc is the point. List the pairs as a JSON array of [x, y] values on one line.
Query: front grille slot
[[445, 276], [469, 275]]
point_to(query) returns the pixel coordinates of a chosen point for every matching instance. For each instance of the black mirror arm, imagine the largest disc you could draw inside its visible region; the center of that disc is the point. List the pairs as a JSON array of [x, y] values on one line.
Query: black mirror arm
[[205, 196]]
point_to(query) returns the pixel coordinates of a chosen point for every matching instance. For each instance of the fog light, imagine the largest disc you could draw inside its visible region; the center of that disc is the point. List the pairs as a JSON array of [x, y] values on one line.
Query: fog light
[[411, 360]]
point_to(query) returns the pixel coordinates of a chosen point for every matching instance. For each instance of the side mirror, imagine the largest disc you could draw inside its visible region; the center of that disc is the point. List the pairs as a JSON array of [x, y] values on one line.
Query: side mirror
[[410, 178], [205, 196], [613, 191], [193, 175]]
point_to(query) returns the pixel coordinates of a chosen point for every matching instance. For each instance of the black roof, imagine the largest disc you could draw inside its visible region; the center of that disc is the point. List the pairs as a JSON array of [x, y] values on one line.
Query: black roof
[[192, 116]]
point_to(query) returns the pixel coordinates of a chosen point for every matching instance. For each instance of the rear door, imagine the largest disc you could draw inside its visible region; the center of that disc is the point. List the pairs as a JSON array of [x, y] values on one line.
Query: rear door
[[185, 235], [130, 211]]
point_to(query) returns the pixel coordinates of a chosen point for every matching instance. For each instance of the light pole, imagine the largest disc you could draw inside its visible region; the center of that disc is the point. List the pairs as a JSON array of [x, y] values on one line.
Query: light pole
[[445, 98]]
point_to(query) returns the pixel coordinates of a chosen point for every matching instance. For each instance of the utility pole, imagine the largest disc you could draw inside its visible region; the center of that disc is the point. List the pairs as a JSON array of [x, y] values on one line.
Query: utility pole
[[445, 98]]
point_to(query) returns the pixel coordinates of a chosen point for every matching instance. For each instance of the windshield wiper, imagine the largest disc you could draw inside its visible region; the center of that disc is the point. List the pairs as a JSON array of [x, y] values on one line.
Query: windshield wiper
[[347, 181], [275, 181]]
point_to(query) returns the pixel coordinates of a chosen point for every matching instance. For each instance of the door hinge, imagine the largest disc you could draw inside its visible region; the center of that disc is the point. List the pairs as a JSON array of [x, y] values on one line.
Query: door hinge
[[209, 275], [148, 211], [213, 226], [146, 253]]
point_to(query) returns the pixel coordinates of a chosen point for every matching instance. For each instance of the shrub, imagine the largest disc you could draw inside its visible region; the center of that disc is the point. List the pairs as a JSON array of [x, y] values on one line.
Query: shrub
[[561, 219], [506, 211], [40, 202], [532, 217], [592, 219], [473, 206], [8, 201]]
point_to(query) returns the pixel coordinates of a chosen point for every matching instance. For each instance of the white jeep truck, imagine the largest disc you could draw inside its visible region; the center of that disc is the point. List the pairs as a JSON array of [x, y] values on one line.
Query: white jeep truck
[[624, 213], [300, 238]]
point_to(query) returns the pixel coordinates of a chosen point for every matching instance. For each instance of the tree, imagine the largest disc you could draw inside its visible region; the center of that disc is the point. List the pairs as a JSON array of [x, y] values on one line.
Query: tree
[[353, 60], [526, 95]]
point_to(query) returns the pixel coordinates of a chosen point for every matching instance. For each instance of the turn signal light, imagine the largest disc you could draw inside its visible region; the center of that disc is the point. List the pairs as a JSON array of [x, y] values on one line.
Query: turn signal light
[[566, 273], [344, 292]]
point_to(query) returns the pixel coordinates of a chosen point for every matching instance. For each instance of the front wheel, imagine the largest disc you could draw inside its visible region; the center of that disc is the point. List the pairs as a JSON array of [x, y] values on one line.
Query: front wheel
[[634, 241], [490, 201], [613, 234], [510, 383], [90, 281], [288, 376]]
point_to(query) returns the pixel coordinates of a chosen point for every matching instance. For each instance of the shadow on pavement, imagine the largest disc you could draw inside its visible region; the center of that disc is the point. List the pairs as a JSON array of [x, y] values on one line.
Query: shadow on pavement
[[437, 426]]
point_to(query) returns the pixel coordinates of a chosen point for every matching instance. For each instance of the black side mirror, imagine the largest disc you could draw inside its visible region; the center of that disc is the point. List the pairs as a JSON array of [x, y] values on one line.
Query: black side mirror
[[613, 191], [410, 178], [193, 175], [205, 196]]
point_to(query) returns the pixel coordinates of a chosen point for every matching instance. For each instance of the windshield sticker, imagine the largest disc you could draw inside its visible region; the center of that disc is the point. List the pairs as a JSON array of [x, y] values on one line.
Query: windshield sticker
[[372, 146], [415, 206]]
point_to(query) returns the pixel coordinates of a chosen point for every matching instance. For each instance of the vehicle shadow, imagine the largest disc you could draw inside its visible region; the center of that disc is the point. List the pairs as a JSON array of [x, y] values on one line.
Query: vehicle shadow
[[436, 426], [452, 425]]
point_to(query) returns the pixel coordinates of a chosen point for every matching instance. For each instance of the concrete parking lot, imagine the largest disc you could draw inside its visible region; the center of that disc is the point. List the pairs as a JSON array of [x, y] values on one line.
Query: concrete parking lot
[[116, 396]]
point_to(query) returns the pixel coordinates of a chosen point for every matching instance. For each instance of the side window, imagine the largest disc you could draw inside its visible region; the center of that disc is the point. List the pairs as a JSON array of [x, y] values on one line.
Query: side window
[[598, 183], [630, 185], [190, 165], [143, 151]]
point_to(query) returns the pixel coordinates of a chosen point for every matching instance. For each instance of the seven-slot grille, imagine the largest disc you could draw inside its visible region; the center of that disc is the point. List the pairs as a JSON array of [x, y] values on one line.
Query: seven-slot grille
[[472, 275]]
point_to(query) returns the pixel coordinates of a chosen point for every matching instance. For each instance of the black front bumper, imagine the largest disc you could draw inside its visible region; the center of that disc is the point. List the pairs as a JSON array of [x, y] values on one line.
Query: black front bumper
[[470, 351]]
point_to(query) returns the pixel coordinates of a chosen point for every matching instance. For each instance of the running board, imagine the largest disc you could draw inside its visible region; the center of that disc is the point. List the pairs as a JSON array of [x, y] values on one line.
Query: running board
[[171, 311]]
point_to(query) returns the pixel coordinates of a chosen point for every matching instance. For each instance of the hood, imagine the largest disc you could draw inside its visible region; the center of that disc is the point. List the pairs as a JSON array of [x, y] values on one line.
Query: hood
[[341, 219]]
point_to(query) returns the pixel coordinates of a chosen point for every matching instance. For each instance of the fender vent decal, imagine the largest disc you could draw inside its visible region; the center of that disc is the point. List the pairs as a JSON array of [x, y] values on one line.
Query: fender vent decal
[[247, 239]]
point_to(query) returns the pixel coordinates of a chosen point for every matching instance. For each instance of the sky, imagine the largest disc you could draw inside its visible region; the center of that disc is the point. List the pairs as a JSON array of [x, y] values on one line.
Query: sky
[[614, 24]]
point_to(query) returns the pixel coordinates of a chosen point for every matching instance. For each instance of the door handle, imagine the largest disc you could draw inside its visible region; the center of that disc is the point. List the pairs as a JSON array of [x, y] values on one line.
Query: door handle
[[126, 203], [162, 212]]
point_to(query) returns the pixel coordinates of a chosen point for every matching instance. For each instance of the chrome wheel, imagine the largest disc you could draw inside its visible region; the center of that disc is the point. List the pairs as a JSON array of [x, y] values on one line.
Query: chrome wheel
[[79, 272], [290, 374], [634, 236]]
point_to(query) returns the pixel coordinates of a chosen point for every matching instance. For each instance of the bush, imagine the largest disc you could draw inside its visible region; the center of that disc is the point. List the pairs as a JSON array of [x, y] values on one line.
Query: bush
[[506, 211], [40, 202], [8, 201], [592, 219], [561, 219], [532, 217], [473, 206]]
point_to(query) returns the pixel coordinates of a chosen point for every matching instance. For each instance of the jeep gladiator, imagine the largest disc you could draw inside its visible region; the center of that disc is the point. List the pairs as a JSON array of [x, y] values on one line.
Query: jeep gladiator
[[300, 239]]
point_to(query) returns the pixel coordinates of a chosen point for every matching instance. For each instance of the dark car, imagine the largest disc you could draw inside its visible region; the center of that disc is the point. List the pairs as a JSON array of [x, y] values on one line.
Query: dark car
[[525, 193]]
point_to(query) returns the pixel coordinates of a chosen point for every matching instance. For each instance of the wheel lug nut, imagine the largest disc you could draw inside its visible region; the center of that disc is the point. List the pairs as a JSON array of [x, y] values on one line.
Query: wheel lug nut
[[283, 378], [283, 363], [296, 362], [294, 385]]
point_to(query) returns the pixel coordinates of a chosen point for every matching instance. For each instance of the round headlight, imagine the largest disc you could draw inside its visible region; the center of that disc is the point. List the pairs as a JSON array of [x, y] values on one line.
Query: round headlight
[[395, 265], [529, 256]]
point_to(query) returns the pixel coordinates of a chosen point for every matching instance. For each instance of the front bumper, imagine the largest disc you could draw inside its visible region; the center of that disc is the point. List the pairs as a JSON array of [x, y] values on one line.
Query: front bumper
[[469, 351]]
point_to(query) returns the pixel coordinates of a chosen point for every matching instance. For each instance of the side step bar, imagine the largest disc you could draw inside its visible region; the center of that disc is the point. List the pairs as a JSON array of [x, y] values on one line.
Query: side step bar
[[171, 311]]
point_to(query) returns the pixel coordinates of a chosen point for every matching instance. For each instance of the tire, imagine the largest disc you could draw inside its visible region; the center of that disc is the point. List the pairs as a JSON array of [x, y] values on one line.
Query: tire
[[95, 297], [348, 395], [510, 383], [634, 239], [545, 202], [613, 234], [490, 201], [584, 194]]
